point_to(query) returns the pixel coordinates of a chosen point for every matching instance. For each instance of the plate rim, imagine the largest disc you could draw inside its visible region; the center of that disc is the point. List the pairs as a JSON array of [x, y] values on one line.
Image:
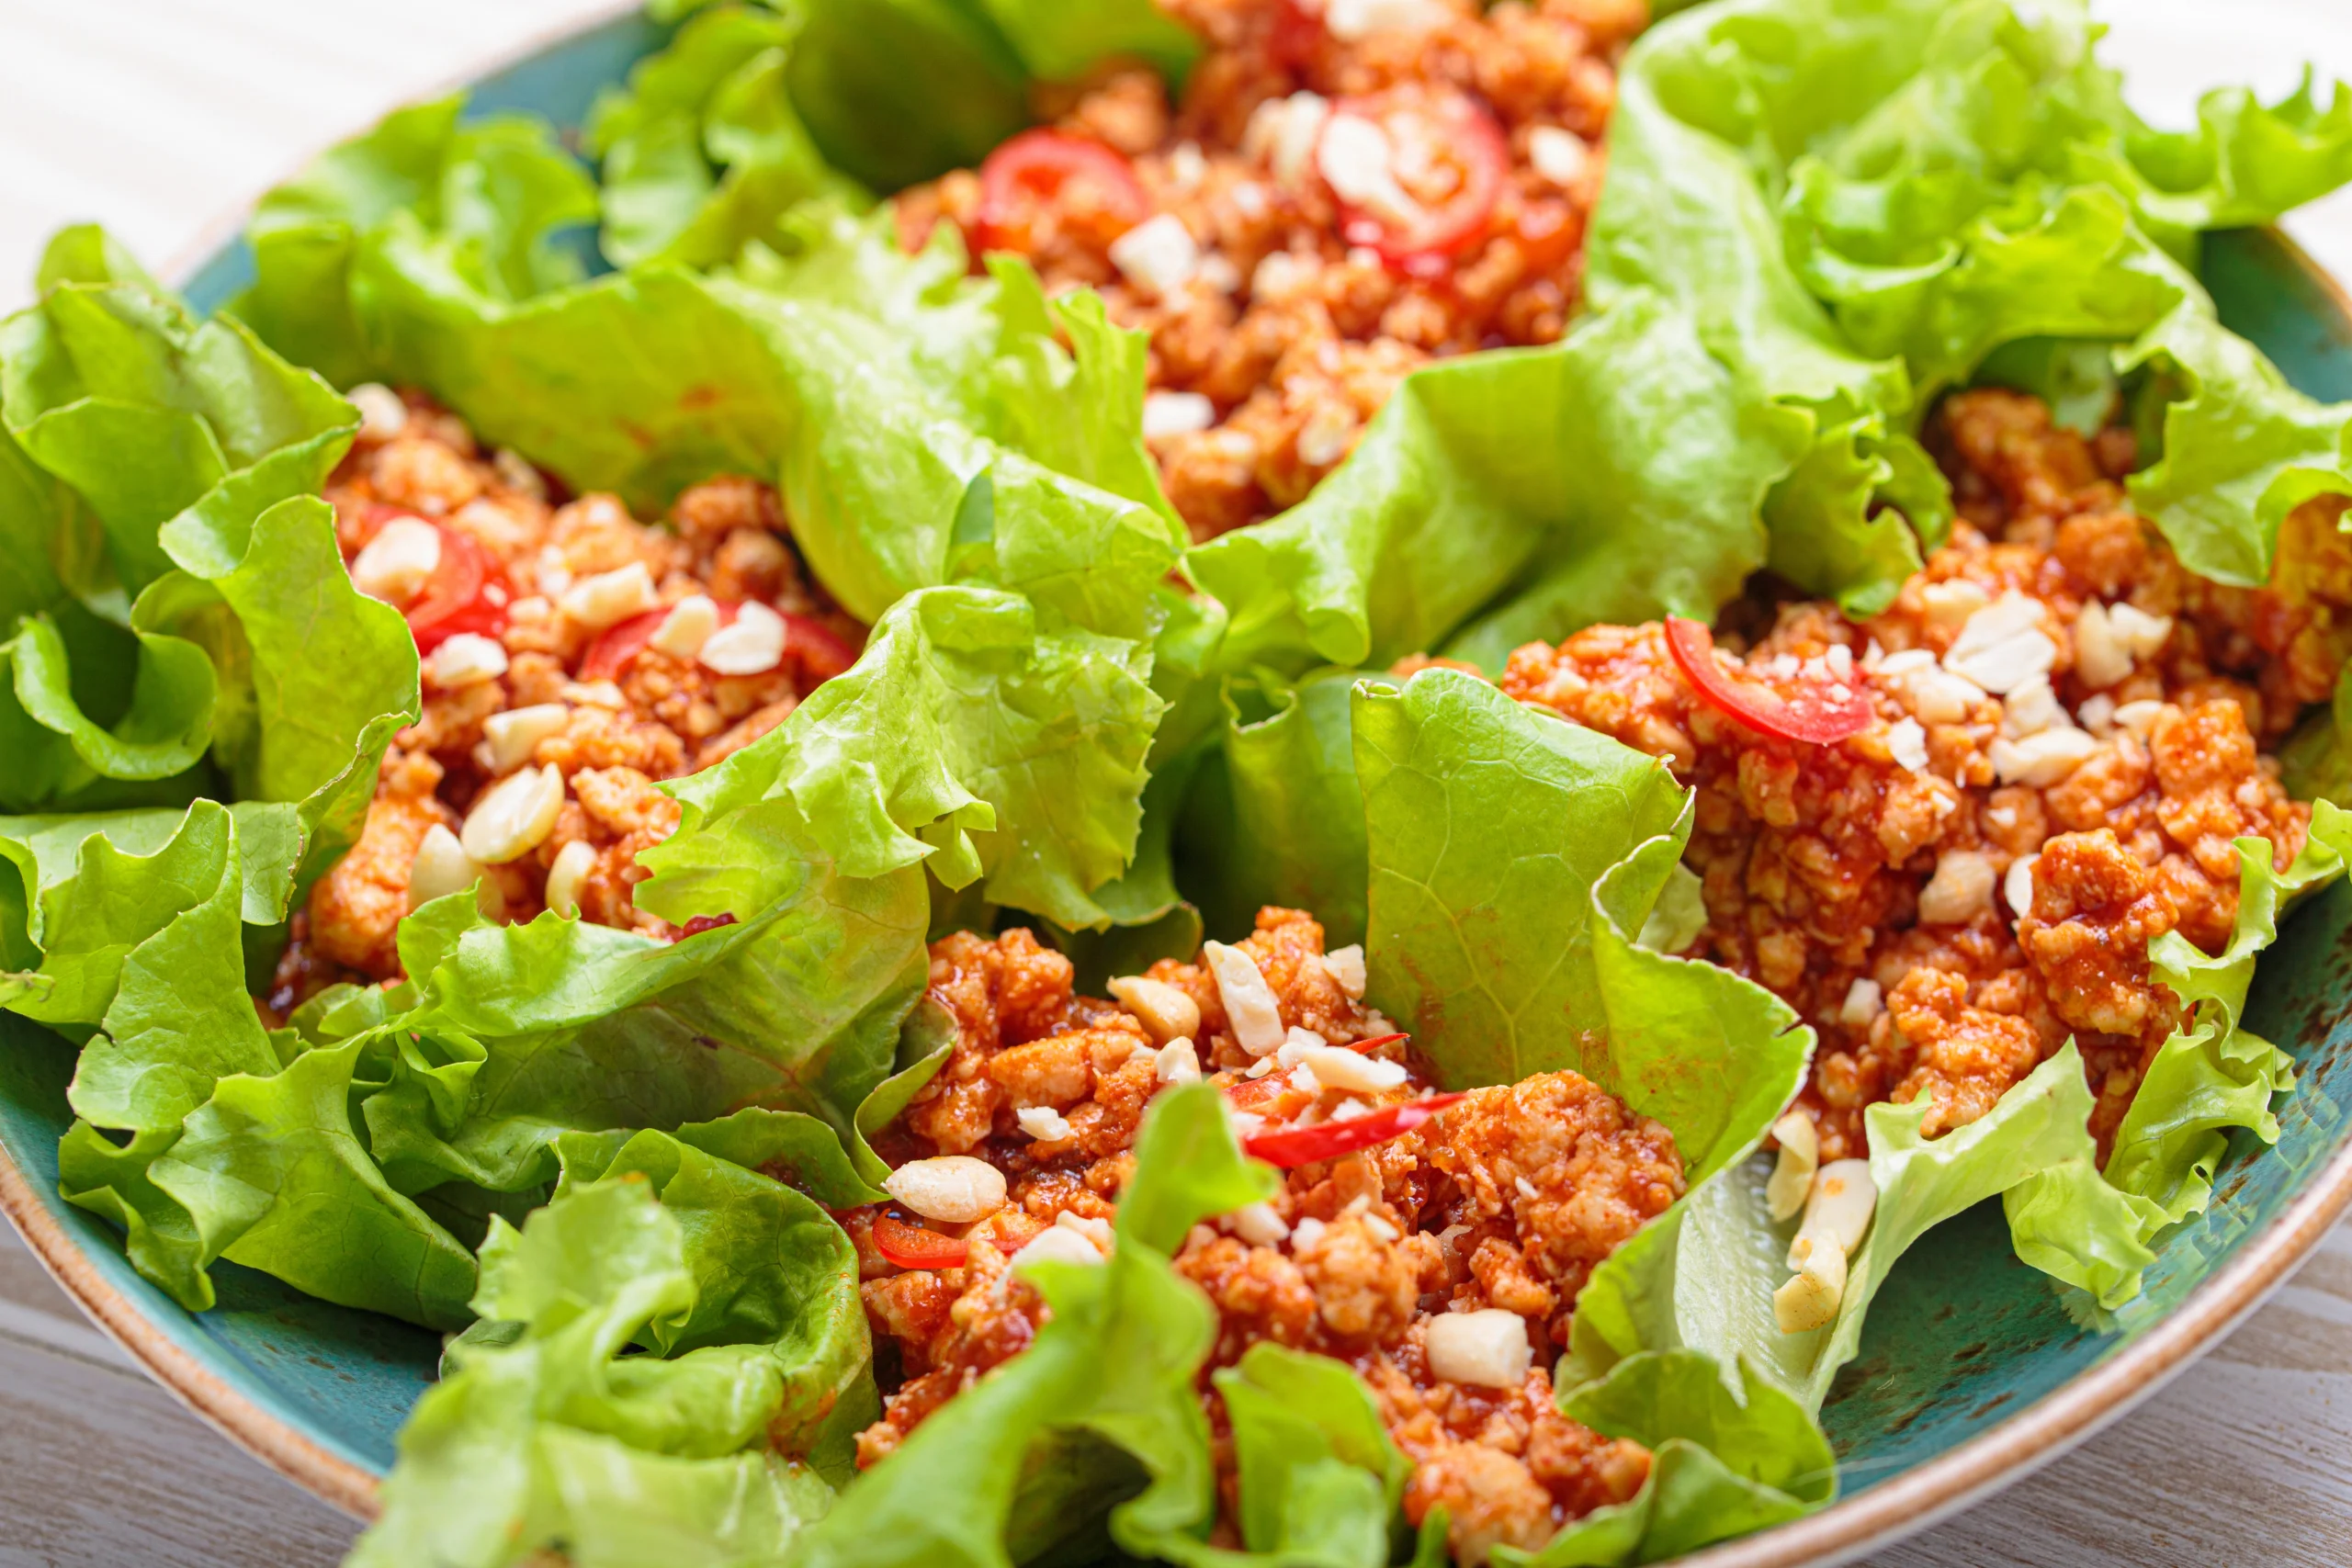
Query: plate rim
[[2004, 1454]]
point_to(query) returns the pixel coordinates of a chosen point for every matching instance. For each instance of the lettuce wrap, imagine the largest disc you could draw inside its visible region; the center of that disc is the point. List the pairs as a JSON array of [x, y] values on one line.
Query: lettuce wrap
[[603, 1160]]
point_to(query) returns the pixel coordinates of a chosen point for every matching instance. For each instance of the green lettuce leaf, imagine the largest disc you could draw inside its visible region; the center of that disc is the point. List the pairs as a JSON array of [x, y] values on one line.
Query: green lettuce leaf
[[1320, 1477], [1505, 496], [703, 151], [2212, 1076], [1860, 202], [2246, 162], [1277, 816], [1098, 1415], [715, 1447], [923, 427], [970, 737], [483, 202], [2240, 449], [514, 1035], [1514, 857], [167, 611], [940, 431], [1726, 1461], [130, 929], [1060, 41], [900, 91], [1703, 1277]]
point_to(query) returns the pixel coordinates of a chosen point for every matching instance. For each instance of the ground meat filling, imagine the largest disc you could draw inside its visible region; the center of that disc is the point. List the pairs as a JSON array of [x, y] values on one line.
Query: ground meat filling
[[2070, 731], [1503, 1203], [553, 655], [1345, 191]]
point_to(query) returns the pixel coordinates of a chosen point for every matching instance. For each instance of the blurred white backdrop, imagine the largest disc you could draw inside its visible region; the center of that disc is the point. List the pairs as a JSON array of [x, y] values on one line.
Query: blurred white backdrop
[[161, 117]]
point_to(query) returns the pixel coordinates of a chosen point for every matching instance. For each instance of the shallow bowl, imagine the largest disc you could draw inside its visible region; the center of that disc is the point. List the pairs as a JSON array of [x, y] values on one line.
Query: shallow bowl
[[1971, 1373]]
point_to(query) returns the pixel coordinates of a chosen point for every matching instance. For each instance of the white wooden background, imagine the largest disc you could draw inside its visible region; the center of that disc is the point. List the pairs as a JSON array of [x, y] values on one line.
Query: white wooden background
[[156, 115]]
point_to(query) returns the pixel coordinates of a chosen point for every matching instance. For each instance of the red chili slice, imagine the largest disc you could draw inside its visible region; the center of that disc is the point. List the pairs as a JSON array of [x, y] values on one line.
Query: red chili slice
[[821, 650], [1822, 713], [1293, 1147], [698, 924], [911, 1246], [1298, 35], [1040, 167], [1466, 134], [466, 592], [610, 653]]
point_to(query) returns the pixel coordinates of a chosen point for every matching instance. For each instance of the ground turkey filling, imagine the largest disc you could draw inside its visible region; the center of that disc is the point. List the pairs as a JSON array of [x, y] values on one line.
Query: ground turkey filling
[[1347, 189], [561, 680], [2069, 730], [1494, 1212]]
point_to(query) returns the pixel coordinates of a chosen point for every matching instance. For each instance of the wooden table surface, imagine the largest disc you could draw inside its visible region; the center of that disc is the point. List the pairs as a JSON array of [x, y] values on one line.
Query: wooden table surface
[[156, 116]]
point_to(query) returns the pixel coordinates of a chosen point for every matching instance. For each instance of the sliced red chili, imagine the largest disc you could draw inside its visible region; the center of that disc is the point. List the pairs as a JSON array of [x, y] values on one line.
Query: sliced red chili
[[1377, 1041], [1298, 35], [1456, 128], [1821, 712], [911, 1246], [1093, 185], [610, 654], [1290, 1147], [466, 592], [822, 652], [699, 924]]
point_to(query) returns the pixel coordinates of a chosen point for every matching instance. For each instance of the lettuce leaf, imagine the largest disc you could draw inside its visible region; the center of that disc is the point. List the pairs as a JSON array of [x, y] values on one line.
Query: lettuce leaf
[[703, 151], [132, 930], [923, 427], [573, 1026], [900, 91], [1514, 856], [1516, 494], [2212, 1076], [1726, 1460], [940, 432], [1098, 1415], [2240, 449], [1277, 816], [1860, 202], [706, 147], [1060, 41], [968, 738], [2246, 162], [1703, 1277], [483, 202], [714, 1447], [167, 609]]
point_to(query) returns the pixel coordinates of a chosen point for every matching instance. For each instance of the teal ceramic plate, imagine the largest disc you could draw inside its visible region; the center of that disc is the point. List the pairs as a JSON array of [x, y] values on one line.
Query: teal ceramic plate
[[1972, 1371]]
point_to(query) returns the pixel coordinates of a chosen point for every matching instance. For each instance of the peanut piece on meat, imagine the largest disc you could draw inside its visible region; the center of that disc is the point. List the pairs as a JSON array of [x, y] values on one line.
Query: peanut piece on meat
[[515, 816], [1487, 1348], [952, 1188], [1167, 1013], [1961, 889], [1249, 1008]]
